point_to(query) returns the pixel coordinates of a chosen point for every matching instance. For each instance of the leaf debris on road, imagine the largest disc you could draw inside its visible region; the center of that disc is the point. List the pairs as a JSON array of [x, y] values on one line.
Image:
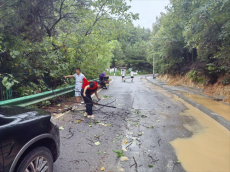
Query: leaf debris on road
[[61, 128], [97, 143], [119, 153], [78, 121]]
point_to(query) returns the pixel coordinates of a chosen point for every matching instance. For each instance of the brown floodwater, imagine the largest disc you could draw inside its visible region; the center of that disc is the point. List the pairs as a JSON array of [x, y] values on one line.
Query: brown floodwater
[[215, 106], [208, 150]]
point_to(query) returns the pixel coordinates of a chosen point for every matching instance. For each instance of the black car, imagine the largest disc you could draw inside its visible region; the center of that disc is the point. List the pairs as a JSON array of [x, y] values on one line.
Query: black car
[[29, 140]]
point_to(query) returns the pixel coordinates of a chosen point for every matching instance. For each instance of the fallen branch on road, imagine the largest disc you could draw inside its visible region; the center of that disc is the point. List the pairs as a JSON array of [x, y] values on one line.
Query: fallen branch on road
[[135, 164], [90, 144], [71, 133], [159, 142], [132, 165], [90, 140], [153, 160], [129, 145], [74, 161]]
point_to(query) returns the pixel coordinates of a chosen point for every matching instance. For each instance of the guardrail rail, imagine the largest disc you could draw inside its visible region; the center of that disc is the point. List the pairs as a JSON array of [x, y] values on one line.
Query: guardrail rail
[[36, 98]]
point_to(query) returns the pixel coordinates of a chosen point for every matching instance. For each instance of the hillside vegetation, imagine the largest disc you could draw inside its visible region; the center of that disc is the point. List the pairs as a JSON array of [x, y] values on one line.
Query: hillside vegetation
[[43, 40], [193, 38]]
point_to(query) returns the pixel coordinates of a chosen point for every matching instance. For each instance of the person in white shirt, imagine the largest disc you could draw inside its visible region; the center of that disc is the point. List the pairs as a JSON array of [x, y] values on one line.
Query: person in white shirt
[[131, 73], [79, 77], [123, 75]]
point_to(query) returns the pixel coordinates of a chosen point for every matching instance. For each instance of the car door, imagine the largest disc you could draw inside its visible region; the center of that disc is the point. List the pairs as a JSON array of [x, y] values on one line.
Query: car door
[[1, 154], [7, 152], [1, 157]]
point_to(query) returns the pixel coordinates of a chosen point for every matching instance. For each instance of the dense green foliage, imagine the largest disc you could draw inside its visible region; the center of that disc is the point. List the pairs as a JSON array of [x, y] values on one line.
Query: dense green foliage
[[131, 48], [193, 35], [43, 40]]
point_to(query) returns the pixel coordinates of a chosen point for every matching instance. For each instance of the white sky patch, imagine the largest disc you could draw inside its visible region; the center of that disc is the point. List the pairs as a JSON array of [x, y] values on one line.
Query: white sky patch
[[148, 11]]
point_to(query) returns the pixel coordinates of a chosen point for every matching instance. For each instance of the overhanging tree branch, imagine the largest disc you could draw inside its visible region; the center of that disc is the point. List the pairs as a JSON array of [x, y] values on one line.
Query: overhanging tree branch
[[97, 17]]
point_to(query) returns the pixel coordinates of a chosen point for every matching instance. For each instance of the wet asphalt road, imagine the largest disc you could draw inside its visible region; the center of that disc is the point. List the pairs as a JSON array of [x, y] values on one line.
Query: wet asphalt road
[[144, 123]]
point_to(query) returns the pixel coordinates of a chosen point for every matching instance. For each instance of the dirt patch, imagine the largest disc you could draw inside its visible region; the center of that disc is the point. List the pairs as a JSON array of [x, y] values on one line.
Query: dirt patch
[[214, 90], [178, 80], [61, 105]]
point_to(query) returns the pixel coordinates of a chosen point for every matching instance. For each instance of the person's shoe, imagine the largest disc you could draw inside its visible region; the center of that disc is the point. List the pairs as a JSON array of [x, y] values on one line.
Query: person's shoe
[[90, 116], [85, 114]]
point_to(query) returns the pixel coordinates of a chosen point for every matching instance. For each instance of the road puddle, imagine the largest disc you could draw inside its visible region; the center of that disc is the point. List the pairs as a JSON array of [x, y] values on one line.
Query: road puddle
[[217, 107], [208, 150]]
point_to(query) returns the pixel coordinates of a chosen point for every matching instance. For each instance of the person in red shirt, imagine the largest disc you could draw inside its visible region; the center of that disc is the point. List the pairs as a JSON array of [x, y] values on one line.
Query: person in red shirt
[[88, 88]]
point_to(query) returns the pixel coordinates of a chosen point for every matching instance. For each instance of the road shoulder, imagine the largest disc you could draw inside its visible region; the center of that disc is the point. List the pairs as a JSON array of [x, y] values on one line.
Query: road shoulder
[[207, 111]]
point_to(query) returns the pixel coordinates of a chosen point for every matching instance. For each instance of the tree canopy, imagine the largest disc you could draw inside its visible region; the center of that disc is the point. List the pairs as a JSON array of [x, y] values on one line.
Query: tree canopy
[[43, 40], [192, 35], [131, 50]]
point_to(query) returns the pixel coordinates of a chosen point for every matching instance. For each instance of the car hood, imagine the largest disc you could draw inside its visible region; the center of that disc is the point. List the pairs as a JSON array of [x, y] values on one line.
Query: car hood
[[12, 114]]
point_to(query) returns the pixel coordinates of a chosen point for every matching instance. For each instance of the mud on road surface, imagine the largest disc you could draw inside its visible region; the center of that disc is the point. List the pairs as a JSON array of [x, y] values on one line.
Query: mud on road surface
[[143, 126]]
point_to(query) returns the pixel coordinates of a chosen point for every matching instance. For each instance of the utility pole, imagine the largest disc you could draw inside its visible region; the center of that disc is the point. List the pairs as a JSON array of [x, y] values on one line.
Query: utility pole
[[153, 55], [153, 67], [153, 62]]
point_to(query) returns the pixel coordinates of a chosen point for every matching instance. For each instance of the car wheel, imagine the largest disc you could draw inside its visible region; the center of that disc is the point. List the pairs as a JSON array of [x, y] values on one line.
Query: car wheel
[[38, 160]]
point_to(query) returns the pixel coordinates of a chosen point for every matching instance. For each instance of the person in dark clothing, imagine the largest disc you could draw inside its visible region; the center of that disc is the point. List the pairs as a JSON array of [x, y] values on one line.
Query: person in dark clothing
[[88, 88], [101, 76]]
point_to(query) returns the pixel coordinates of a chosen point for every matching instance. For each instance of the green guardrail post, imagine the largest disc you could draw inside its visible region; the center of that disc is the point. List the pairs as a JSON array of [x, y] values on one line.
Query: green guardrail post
[[9, 94]]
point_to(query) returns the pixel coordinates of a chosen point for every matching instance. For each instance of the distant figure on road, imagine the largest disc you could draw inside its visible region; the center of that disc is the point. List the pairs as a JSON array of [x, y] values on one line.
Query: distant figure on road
[[123, 75], [79, 78], [88, 88], [131, 73]]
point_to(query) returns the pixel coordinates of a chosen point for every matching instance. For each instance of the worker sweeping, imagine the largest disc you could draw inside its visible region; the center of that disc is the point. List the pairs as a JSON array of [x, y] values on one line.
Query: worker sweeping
[[88, 88]]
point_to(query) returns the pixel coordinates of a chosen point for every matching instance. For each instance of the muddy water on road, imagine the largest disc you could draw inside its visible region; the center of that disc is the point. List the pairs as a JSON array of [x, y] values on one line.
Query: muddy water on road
[[208, 150], [217, 107]]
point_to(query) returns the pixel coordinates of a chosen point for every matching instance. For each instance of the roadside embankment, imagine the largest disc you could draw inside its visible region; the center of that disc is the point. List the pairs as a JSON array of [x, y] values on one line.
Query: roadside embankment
[[217, 90]]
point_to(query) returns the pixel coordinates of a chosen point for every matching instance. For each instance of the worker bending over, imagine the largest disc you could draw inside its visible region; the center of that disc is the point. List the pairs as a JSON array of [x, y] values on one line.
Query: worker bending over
[[88, 88]]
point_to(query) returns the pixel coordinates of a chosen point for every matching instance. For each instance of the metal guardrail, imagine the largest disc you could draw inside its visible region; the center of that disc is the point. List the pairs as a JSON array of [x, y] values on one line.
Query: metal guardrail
[[36, 98]]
